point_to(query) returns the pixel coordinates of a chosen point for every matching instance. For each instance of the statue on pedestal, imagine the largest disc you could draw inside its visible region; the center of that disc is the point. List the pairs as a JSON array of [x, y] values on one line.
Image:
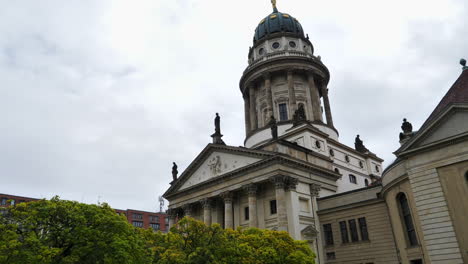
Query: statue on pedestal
[[174, 171], [274, 127], [217, 135], [359, 145]]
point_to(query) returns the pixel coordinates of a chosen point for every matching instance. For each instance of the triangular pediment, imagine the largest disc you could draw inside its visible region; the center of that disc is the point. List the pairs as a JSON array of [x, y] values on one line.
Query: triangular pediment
[[215, 161], [451, 124], [216, 164]]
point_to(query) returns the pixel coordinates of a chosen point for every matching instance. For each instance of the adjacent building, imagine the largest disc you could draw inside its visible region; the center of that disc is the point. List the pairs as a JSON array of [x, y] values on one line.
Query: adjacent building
[[294, 174]]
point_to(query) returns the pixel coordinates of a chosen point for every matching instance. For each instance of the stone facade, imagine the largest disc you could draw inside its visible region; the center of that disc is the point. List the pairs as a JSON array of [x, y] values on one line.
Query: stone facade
[[293, 174]]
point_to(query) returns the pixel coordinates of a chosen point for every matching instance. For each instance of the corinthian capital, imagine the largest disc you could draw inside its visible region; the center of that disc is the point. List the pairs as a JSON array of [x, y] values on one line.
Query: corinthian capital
[[315, 189], [251, 189], [227, 197], [279, 181]]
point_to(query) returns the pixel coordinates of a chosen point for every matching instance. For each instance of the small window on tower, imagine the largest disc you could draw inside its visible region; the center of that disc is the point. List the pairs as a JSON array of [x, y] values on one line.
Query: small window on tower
[[332, 153], [275, 45], [261, 51], [292, 44], [283, 112], [317, 144]]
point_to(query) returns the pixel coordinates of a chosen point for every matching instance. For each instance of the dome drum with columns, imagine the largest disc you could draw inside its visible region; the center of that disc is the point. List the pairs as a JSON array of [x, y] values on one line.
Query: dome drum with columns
[[283, 74]]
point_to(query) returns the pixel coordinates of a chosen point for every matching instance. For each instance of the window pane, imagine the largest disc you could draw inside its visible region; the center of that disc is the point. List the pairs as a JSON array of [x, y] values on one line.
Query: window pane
[[408, 221], [283, 112], [344, 232], [273, 207], [353, 230], [363, 228], [246, 213], [327, 230]]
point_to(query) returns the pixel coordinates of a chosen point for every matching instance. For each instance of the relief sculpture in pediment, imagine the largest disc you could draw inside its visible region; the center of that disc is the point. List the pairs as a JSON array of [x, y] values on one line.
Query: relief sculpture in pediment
[[215, 165]]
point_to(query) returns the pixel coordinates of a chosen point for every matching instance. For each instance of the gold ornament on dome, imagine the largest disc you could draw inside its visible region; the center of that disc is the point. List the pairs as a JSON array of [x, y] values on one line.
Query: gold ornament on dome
[[273, 2]]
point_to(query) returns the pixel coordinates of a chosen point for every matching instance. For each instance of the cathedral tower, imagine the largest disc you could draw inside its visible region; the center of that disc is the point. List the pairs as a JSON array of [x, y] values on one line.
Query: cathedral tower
[[283, 75]]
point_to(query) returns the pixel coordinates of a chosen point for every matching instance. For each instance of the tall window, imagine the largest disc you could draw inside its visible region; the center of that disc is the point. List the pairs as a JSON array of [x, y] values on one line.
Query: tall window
[[366, 182], [283, 112], [363, 228], [408, 221], [246, 213], [137, 216], [352, 179], [344, 232], [273, 207], [154, 226], [4, 201], [353, 230], [328, 233]]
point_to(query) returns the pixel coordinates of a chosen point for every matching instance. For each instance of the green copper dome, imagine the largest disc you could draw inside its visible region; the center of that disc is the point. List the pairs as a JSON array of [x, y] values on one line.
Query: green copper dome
[[278, 22]]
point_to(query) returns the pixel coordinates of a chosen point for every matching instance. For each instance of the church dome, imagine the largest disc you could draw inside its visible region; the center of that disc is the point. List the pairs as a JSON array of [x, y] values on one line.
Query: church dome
[[278, 22]]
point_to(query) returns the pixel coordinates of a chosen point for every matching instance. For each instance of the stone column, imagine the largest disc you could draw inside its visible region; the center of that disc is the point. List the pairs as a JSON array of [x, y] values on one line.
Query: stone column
[[326, 102], [171, 214], [292, 94], [282, 213], [314, 193], [292, 207], [267, 77], [228, 217], [188, 210], [206, 204], [247, 114], [314, 94], [252, 109], [251, 190]]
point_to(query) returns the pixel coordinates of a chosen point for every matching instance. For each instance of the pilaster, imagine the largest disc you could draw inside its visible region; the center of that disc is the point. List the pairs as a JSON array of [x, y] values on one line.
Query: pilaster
[[292, 94], [326, 102], [206, 204], [251, 190], [316, 111], [280, 184]]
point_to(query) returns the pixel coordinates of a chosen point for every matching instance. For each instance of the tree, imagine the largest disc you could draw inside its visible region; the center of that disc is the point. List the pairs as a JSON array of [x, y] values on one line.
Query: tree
[[192, 242], [58, 231], [66, 232]]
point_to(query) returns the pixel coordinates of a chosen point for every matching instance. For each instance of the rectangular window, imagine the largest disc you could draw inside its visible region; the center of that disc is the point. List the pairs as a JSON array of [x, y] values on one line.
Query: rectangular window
[[4, 201], [12, 202], [363, 228], [328, 233], [246, 213], [154, 218], [273, 207], [283, 112], [331, 256], [353, 230], [352, 179], [137, 223], [344, 232], [154, 226], [137, 216], [166, 220]]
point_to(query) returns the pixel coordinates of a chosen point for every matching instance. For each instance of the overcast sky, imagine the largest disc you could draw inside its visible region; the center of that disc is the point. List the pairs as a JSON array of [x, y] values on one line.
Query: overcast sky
[[97, 98]]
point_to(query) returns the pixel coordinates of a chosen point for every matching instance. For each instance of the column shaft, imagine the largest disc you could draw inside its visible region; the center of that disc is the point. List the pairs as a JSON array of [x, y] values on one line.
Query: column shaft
[[206, 204], [252, 109], [292, 94], [270, 111], [228, 219], [252, 194], [314, 94], [282, 213], [247, 115], [326, 102]]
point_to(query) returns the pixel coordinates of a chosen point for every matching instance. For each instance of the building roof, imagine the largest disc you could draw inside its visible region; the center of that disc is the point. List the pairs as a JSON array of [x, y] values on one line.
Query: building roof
[[457, 94], [278, 22]]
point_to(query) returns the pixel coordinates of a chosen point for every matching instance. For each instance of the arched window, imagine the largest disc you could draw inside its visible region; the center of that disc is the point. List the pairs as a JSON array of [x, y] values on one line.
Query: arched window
[[337, 170], [366, 182], [407, 219]]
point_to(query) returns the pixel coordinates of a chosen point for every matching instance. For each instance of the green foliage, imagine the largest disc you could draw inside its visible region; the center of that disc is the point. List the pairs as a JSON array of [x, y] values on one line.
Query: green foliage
[[67, 232], [57, 231], [192, 242]]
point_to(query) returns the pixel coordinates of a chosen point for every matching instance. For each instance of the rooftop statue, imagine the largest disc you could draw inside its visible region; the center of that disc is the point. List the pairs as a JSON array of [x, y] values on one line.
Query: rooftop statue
[[217, 123], [359, 145], [299, 115], [274, 127], [174, 171], [406, 126]]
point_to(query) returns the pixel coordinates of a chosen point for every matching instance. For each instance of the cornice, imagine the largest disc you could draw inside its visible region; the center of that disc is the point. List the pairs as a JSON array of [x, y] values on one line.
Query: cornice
[[277, 159]]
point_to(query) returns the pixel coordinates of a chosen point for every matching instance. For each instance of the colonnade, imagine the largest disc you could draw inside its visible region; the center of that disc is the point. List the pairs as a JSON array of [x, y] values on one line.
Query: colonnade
[[250, 97], [282, 184]]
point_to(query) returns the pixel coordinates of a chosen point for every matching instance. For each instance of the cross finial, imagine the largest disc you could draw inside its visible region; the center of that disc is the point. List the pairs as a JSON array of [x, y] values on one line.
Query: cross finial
[[273, 3]]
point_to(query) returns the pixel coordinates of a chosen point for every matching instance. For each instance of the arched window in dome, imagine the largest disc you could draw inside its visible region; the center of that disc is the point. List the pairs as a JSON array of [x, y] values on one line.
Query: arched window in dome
[[407, 220]]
